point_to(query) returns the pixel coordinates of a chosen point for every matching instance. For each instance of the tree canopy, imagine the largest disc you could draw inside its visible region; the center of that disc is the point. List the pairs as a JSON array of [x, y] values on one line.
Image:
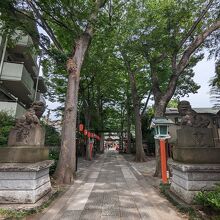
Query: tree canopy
[[107, 59]]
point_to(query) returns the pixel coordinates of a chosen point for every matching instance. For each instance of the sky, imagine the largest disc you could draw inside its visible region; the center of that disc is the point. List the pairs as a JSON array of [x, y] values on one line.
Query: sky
[[204, 71]]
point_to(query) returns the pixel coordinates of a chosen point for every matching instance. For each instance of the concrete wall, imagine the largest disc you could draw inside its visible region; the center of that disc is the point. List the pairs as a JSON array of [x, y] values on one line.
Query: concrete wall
[[17, 72], [12, 108]]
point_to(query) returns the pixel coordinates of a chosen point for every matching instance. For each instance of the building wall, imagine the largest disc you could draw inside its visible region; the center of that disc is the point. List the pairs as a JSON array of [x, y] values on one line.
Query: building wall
[[18, 76], [12, 108]]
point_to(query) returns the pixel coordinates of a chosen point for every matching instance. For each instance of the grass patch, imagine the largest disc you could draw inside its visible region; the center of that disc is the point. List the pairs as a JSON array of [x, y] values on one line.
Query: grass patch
[[13, 214], [210, 202], [209, 199]]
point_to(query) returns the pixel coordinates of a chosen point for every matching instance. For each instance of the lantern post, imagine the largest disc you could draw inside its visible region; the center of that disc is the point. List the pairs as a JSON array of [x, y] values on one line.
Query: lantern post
[[160, 126]]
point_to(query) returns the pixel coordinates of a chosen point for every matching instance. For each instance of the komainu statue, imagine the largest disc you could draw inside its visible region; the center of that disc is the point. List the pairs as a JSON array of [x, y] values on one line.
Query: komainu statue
[[194, 130], [190, 117], [27, 130]]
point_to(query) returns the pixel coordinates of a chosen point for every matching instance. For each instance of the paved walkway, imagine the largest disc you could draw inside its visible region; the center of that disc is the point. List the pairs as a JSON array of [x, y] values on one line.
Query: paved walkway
[[109, 190]]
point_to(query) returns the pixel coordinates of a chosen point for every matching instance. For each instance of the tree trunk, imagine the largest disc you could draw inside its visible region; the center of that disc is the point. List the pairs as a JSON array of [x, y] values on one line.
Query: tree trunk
[[161, 101], [128, 104], [65, 170], [66, 164], [87, 116], [140, 155], [157, 172], [122, 128], [129, 133], [101, 121], [101, 144]]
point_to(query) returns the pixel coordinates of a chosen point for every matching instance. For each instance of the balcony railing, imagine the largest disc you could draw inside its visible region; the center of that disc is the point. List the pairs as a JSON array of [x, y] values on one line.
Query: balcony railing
[[17, 72], [12, 108], [28, 42], [22, 43]]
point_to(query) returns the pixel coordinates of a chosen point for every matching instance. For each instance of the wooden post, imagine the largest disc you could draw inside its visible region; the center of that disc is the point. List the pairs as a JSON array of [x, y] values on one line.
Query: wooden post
[[163, 160]]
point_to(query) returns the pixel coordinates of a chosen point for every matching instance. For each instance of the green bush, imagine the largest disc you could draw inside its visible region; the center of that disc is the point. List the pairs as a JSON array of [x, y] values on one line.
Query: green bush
[[53, 155], [52, 136], [6, 123], [209, 198]]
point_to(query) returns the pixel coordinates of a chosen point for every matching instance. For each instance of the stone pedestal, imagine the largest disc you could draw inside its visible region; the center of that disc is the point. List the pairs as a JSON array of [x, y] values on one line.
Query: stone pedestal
[[23, 154], [197, 155], [196, 146], [24, 182], [189, 179], [33, 136]]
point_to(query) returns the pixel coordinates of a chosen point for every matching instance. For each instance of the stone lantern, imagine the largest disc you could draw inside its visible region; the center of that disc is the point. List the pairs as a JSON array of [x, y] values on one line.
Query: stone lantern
[[160, 126]]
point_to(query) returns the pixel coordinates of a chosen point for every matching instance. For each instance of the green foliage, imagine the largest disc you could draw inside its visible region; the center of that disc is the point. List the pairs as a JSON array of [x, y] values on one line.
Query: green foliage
[[52, 136], [170, 20], [173, 103], [54, 155], [143, 30], [6, 123], [53, 140], [14, 214], [209, 198], [146, 130]]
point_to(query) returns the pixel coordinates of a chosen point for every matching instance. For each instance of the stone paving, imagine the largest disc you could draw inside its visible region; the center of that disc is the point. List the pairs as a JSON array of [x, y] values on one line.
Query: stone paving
[[111, 189]]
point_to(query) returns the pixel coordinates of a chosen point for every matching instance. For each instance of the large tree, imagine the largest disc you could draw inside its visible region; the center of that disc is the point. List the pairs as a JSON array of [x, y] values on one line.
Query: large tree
[[70, 27], [134, 44], [183, 27]]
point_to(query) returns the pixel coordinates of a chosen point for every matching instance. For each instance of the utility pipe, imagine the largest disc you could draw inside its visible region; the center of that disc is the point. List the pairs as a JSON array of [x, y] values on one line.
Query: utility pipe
[[36, 87]]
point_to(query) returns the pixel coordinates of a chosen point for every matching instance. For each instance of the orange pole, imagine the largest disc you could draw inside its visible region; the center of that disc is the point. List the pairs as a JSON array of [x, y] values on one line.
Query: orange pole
[[163, 160]]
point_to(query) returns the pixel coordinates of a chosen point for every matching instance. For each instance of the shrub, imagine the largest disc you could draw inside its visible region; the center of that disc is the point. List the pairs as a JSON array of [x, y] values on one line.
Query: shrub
[[52, 136], [209, 198], [54, 155], [6, 123]]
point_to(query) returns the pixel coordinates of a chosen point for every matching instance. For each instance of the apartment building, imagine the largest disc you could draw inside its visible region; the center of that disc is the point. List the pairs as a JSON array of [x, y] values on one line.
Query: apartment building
[[20, 83]]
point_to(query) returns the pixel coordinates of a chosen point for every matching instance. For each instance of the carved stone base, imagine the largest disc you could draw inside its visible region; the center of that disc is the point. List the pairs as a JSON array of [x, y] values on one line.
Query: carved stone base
[[195, 137], [197, 155], [35, 137], [23, 154], [24, 182], [189, 179]]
